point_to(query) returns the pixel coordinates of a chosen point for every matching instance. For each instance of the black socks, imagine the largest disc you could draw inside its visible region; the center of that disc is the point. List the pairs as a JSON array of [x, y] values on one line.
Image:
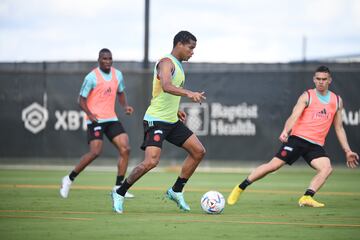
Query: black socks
[[73, 175], [179, 184], [309, 192], [244, 184], [124, 188], [119, 180]]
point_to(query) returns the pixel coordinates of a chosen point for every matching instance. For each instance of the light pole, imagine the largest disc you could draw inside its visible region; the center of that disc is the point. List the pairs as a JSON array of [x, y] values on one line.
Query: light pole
[[146, 37]]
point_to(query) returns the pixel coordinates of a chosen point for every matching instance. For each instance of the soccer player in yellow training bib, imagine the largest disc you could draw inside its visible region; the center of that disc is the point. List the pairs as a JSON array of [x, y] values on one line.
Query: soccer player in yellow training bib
[[164, 121], [304, 135]]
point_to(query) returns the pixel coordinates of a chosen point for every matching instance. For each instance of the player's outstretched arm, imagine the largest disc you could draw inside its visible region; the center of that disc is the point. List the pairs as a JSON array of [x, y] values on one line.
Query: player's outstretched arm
[[352, 158]]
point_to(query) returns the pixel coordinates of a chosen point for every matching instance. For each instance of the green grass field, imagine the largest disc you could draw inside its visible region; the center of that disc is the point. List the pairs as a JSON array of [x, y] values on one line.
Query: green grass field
[[32, 209]]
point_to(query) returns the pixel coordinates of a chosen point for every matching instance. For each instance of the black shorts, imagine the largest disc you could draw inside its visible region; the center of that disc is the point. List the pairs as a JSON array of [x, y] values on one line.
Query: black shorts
[[111, 130], [297, 147], [156, 132]]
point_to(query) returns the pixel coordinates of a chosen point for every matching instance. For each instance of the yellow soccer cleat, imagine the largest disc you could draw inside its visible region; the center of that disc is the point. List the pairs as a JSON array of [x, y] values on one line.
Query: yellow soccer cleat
[[308, 201], [234, 195]]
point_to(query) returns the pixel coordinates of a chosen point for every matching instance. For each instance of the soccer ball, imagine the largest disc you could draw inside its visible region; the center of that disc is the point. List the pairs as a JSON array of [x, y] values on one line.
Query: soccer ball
[[213, 202]]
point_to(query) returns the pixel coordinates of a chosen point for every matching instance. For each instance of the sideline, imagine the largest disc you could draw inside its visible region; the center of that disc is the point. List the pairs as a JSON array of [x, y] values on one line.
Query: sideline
[[169, 168], [45, 217], [330, 225], [89, 187]]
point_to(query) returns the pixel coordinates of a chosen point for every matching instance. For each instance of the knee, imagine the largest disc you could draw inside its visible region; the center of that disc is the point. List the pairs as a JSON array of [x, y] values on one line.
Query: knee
[[125, 151], [199, 153], [327, 170], [95, 153], [151, 162], [272, 167], [202, 153]]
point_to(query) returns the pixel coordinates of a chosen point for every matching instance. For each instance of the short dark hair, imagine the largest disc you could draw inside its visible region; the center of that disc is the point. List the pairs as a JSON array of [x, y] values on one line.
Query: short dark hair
[[104, 50], [323, 69], [183, 37]]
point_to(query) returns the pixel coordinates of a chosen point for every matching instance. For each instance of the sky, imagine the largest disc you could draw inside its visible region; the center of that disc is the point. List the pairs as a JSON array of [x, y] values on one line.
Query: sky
[[233, 31]]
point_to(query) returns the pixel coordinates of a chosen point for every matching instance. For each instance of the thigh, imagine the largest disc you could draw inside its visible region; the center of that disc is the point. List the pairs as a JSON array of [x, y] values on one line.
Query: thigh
[[274, 164], [152, 153], [96, 146], [193, 144], [320, 163], [121, 141], [179, 134], [315, 152], [113, 129]]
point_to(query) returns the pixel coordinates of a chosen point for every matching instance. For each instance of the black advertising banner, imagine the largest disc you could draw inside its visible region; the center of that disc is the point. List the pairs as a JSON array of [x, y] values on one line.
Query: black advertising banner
[[241, 119]]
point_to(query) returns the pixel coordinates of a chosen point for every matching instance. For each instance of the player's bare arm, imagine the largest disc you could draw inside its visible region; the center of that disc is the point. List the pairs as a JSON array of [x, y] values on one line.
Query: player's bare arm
[[296, 113], [123, 102], [84, 107], [352, 158], [165, 69]]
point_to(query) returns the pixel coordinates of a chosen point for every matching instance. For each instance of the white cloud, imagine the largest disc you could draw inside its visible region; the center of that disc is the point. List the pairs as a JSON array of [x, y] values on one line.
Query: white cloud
[[227, 31], [355, 12]]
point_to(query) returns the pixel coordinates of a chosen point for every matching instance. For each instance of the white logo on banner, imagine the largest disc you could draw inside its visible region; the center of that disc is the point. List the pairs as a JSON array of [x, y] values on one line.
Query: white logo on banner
[[35, 117], [234, 120], [70, 120], [351, 117], [197, 119]]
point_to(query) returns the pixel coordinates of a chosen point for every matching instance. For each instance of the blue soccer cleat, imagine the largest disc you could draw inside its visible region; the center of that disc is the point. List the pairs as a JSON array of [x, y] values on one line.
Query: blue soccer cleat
[[178, 198], [118, 201]]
